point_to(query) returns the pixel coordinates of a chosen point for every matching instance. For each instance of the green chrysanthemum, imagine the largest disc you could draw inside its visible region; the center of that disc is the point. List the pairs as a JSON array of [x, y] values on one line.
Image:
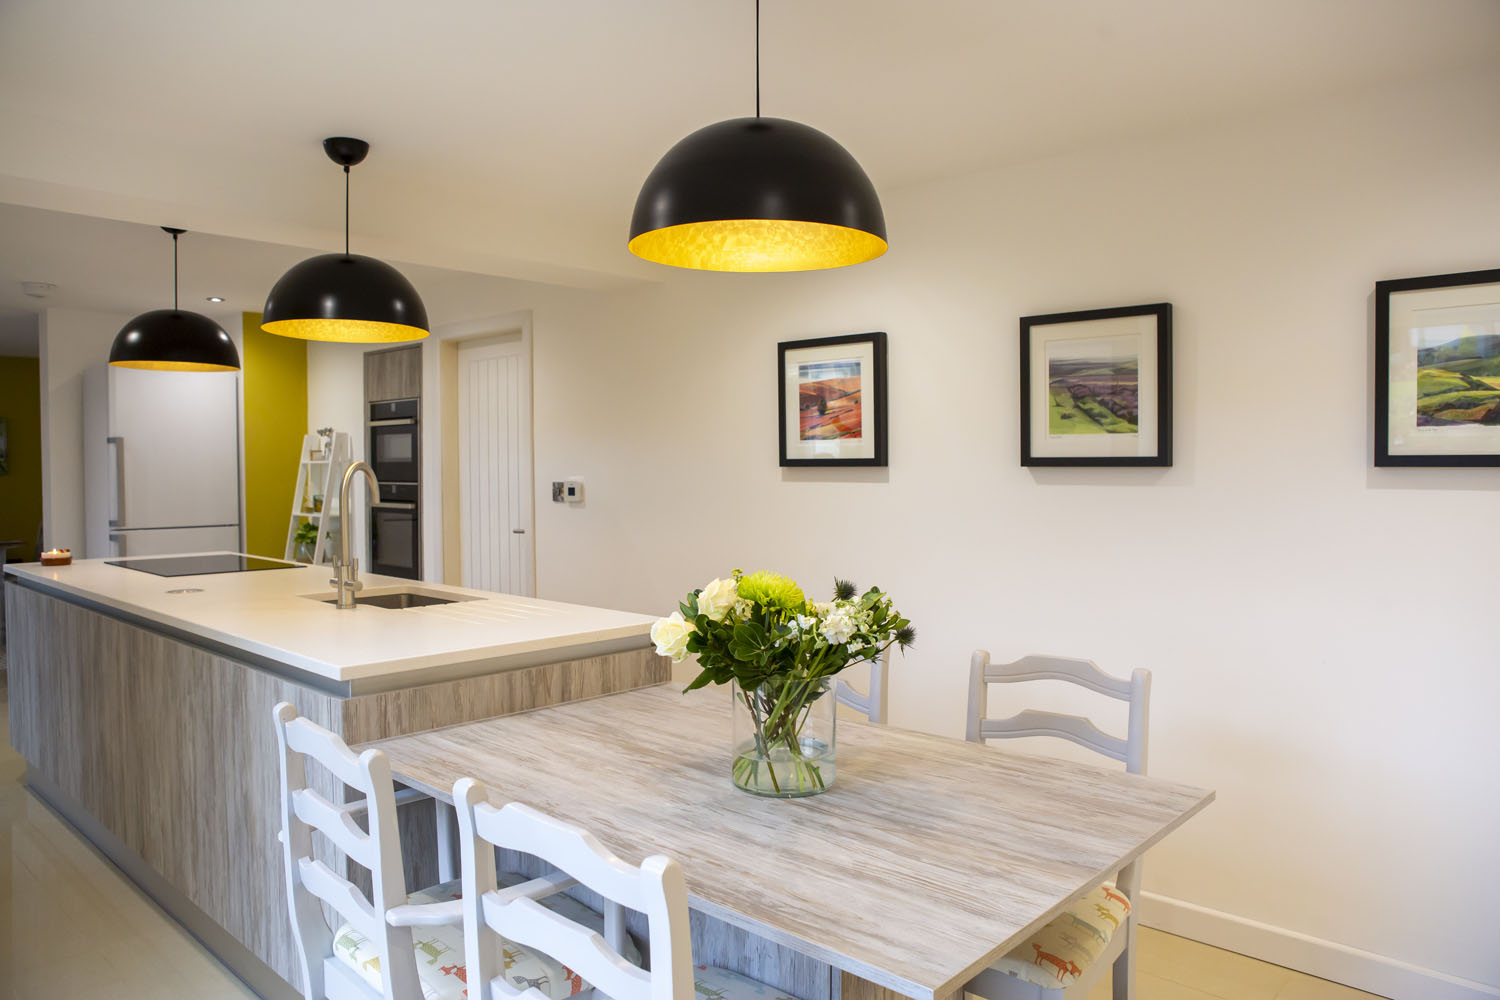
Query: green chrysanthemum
[[772, 590]]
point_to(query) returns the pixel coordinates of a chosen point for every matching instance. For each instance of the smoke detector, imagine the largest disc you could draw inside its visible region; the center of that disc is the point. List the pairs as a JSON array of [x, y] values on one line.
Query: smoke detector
[[38, 289]]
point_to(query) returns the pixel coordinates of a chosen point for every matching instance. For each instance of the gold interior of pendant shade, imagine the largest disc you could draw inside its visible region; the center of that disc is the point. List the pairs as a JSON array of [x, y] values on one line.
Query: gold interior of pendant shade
[[345, 331], [174, 366], [757, 245]]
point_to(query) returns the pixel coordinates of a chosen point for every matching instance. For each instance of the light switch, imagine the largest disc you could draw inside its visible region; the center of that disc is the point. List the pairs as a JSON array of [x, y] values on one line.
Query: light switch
[[573, 491]]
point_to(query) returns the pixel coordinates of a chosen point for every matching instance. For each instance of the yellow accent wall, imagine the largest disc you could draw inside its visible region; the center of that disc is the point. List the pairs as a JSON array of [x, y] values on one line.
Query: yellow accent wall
[[21, 485], [275, 379]]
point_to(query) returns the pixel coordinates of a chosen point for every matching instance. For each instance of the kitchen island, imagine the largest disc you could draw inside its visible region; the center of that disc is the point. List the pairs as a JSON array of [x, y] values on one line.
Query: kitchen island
[[142, 705]]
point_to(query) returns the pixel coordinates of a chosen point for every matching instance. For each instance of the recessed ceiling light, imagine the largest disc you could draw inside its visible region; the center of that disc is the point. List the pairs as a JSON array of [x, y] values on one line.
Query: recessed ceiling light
[[216, 298]]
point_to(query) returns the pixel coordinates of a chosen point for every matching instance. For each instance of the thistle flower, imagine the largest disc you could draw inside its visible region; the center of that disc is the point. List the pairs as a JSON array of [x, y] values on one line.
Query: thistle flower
[[843, 590]]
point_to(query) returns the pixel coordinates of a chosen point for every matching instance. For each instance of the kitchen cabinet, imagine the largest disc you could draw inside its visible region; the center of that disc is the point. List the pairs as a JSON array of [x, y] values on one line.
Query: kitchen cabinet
[[394, 373], [145, 716]]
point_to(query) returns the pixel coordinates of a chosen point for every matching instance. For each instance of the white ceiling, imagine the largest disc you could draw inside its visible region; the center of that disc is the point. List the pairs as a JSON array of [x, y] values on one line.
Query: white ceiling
[[509, 137], [126, 268]]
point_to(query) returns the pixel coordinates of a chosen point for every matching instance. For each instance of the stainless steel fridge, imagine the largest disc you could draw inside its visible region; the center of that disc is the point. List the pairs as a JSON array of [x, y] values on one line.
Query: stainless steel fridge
[[161, 462]]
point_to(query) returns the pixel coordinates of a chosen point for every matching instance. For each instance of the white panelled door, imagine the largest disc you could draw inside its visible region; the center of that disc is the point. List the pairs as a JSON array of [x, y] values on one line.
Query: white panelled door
[[494, 447]]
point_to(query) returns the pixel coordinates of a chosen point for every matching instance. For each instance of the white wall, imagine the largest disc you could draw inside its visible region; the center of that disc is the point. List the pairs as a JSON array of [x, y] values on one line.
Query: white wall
[[1317, 627], [336, 398], [71, 341]]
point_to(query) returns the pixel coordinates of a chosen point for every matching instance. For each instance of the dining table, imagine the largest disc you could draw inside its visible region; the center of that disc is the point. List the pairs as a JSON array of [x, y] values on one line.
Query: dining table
[[928, 859]]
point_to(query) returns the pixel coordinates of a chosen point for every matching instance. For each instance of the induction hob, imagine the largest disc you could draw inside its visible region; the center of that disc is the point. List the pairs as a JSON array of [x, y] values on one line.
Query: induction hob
[[217, 562]]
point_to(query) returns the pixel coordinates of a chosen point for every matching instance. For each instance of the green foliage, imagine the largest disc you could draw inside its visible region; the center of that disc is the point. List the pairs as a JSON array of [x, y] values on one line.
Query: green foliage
[[1460, 400], [775, 636], [1105, 418], [306, 534], [1084, 416], [1481, 367], [1433, 381]]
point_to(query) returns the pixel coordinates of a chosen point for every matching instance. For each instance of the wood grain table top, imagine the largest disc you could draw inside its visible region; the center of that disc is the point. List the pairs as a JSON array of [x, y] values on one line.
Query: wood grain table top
[[929, 859]]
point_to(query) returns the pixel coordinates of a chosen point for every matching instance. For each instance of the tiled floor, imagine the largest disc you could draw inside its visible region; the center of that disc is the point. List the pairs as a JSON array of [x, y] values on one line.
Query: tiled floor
[[1174, 968], [71, 925]]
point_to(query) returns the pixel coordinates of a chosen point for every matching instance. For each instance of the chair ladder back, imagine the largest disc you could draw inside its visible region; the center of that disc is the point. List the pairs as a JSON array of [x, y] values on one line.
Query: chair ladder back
[[1135, 690], [1085, 673], [1131, 751], [310, 880], [1140, 721], [874, 704], [1073, 728], [656, 889]]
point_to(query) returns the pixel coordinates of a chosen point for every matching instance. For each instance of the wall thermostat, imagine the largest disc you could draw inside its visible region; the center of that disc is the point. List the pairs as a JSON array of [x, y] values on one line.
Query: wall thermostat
[[573, 490]]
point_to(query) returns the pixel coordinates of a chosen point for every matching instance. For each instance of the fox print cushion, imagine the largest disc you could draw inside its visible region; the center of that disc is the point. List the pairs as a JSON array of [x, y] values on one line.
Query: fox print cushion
[[1056, 955]]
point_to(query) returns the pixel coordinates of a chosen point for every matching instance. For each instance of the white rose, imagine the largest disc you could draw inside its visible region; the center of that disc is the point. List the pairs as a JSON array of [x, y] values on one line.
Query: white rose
[[671, 635], [719, 598]]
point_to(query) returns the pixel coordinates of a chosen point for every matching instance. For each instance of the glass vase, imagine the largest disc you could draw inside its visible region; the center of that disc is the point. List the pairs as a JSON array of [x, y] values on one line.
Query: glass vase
[[783, 735]]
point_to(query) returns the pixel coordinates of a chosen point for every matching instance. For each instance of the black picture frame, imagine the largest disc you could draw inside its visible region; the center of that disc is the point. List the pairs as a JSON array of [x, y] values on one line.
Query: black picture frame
[[1035, 329], [870, 349], [1398, 380]]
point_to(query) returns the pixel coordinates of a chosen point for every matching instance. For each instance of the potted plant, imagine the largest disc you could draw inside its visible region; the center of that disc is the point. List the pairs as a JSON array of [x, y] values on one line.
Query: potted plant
[[779, 653], [305, 541]]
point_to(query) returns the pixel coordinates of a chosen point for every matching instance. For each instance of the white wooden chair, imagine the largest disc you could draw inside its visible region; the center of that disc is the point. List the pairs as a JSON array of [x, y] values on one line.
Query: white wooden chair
[[875, 702], [1103, 923], [496, 917], [389, 947]]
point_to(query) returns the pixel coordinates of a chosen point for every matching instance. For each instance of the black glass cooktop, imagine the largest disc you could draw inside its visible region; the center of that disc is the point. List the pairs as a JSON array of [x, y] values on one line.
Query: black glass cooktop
[[218, 562]]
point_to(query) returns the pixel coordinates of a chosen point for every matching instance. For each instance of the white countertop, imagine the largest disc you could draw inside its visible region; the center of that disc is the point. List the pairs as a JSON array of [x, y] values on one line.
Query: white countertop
[[267, 613]]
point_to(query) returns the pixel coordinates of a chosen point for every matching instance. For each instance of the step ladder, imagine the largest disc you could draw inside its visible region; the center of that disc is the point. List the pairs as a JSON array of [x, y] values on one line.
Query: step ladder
[[320, 469]]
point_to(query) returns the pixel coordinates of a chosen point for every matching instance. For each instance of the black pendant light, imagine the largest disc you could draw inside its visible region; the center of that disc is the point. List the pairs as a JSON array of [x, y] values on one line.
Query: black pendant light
[[344, 296], [758, 194], [174, 340]]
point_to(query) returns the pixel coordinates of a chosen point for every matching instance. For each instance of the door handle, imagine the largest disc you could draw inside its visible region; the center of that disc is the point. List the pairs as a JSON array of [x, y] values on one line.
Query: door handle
[[393, 505], [395, 422], [118, 443], [518, 531]]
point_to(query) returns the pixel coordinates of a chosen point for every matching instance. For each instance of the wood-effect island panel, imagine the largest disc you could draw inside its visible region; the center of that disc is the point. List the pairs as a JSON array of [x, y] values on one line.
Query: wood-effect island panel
[[166, 752], [929, 859]]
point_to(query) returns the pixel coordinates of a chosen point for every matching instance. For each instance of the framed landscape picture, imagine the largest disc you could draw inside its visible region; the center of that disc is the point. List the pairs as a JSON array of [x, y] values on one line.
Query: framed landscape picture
[[832, 400], [1437, 370], [1096, 387]]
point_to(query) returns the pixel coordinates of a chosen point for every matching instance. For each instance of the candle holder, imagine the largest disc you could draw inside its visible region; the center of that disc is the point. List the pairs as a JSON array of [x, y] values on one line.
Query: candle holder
[[57, 557]]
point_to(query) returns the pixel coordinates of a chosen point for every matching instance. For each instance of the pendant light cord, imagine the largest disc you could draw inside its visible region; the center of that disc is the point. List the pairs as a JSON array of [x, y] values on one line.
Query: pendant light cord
[[757, 58], [174, 272], [346, 205]]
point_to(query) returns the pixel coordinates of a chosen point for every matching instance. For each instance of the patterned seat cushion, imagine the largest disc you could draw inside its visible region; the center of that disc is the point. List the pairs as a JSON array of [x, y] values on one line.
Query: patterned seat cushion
[[1056, 955], [440, 950], [713, 983]]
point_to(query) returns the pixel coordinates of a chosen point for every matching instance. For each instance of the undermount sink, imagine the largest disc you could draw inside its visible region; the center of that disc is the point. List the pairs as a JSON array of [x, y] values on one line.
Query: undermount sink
[[397, 600]]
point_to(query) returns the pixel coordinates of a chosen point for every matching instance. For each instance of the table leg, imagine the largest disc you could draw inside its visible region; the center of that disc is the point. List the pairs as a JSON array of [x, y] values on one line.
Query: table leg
[[848, 986]]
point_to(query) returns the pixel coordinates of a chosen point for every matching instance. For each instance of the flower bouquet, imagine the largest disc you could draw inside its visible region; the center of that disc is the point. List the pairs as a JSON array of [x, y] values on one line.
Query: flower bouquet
[[779, 652]]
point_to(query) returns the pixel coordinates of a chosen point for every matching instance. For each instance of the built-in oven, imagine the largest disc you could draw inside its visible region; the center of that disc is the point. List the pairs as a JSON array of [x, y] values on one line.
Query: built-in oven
[[394, 441], [395, 546]]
